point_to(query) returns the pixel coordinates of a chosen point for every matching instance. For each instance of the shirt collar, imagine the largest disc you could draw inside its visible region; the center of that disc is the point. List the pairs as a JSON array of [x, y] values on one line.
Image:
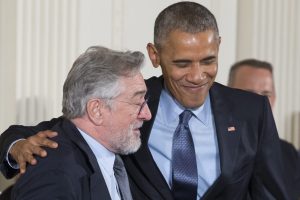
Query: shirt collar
[[106, 157], [171, 108]]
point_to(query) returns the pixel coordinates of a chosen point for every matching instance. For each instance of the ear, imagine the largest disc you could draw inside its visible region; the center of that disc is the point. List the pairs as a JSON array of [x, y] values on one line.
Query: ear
[[153, 55], [94, 111]]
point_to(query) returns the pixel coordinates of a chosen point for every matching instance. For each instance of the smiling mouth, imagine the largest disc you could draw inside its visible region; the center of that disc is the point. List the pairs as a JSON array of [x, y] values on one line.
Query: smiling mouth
[[196, 87]]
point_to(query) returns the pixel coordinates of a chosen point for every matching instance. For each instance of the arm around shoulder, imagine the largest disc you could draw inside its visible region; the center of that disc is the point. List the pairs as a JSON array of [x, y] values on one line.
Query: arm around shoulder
[[14, 133]]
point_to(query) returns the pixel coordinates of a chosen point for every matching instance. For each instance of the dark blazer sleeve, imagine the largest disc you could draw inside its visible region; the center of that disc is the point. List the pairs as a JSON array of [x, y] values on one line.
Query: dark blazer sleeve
[[269, 180], [46, 185], [59, 176], [292, 165], [14, 133]]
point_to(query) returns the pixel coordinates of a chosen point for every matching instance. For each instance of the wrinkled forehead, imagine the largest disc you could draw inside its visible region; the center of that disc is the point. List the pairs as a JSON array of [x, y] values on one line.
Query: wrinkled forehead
[[133, 86]]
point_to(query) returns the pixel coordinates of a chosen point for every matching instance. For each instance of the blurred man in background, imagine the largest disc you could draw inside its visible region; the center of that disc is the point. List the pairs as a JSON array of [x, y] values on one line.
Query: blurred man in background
[[257, 76]]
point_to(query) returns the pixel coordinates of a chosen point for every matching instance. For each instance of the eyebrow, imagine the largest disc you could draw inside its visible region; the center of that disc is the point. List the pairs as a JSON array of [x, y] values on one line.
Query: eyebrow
[[209, 58], [186, 60], [139, 93], [181, 61]]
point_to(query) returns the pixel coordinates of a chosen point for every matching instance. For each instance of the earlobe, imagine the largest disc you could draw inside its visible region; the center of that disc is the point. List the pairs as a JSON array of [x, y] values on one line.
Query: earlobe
[[153, 55]]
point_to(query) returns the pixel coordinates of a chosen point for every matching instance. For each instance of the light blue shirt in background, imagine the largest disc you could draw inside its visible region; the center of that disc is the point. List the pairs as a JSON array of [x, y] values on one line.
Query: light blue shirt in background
[[204, 135]]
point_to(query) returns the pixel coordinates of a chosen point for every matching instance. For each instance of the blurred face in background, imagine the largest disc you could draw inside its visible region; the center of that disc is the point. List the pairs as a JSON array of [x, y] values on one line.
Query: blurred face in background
[[255, 80]]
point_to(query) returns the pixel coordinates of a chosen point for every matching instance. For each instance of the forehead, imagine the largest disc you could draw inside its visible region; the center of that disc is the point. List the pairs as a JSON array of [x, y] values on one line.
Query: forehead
[[179, 42], [253, 77], [132, 86], [249, 71]]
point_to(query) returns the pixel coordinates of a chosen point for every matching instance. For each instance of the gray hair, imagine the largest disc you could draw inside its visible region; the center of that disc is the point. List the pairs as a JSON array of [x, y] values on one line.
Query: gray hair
[[95, 74], [254, 63], [185, 16]]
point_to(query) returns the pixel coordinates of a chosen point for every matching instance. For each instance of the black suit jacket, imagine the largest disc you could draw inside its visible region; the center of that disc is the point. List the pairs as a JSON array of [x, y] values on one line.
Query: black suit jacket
[[250, 157], [69, 172], [291, 159]]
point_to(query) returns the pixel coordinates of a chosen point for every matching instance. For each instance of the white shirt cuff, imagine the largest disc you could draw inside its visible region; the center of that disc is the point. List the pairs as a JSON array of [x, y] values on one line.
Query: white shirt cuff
[[12, 163]]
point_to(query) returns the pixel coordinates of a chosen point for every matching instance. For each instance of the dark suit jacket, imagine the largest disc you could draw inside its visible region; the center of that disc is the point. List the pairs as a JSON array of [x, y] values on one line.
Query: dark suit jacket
[[291, 159], [250, 156], [69, 172]]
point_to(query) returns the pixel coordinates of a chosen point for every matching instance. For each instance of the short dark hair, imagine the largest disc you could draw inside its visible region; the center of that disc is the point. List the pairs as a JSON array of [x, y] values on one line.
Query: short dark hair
[[254, 63], [185, 16]]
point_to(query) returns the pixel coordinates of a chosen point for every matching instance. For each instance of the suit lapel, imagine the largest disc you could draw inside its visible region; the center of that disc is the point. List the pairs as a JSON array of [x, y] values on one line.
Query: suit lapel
[[98, 188], [228, 134]]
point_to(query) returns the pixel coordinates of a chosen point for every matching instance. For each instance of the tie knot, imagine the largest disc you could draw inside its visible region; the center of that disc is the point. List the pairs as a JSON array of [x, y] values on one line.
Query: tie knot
[[185, 117]]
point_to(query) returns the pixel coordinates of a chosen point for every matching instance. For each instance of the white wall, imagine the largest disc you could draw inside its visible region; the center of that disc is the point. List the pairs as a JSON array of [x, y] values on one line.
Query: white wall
[[269, 30], [48, 35], [129, 25], [7, 63]]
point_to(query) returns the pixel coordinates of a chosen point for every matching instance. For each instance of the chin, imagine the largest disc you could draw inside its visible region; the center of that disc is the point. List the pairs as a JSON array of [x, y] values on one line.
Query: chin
[[131, 148], [130, 144]]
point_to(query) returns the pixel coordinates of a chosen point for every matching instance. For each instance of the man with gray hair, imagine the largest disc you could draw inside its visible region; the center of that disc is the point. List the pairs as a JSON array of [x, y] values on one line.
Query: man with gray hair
[[103, 108]]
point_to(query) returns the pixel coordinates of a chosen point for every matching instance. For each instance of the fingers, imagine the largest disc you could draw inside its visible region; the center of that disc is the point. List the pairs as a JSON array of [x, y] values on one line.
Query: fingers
[[41, 139], [22, 162], [20, 152], [23, 151]]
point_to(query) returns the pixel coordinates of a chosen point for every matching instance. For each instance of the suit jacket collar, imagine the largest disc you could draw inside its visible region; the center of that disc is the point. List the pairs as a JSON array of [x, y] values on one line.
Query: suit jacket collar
[[227, 129], [98, 187]]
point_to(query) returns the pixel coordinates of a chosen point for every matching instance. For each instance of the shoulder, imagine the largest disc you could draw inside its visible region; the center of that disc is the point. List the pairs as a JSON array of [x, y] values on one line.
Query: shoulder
[[232, 93], [289, 150], [65, 157], [238, 100], [154, 86]]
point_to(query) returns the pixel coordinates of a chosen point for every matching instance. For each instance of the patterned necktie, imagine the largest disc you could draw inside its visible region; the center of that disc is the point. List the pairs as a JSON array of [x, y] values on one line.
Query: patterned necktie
[[122, 179], [184, 166]]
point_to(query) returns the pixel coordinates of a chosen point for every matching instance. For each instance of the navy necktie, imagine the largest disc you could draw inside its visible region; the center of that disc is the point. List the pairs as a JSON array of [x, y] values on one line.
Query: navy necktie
[[184, 166]]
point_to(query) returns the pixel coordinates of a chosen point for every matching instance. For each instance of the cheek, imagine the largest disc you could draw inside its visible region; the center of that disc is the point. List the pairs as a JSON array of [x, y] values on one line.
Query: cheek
[[212, 70], [125, 122], [176, 74]]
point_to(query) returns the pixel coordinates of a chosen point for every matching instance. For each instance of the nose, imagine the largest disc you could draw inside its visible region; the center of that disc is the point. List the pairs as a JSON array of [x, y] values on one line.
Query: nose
[[196, 74], [145, 113]]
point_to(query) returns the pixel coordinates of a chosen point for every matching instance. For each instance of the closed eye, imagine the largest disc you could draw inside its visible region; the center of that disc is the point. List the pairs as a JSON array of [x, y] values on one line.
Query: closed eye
[[209, 60], [182, 63]]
